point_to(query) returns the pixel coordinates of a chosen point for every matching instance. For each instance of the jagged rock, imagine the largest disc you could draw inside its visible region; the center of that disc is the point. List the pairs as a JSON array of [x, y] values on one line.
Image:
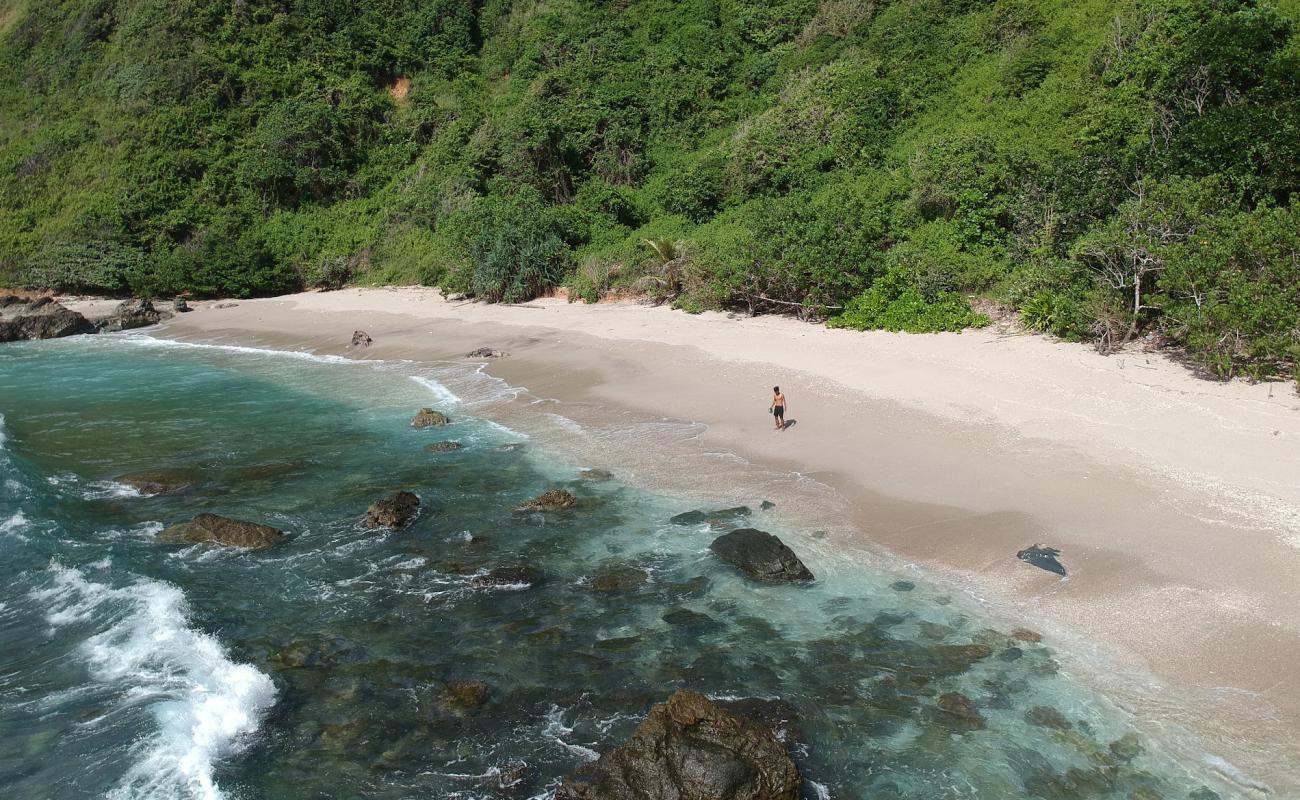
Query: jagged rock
[[507, 577], [617, 579], [159, 481], [1043, 558], [721, 515], [180, 305], [441, 447], [766, 505], [552, 500], [958, 711], [596, 475], [485, 352], [690, 748], [393, 511], [42, 318], [215, 529], [760, 555], [134, 313], [428, 418], [459, 697], [361, 339], [1047, 717]]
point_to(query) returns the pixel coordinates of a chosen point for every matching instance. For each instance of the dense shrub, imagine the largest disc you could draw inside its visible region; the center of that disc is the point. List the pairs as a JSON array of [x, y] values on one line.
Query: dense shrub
[[895, 303]]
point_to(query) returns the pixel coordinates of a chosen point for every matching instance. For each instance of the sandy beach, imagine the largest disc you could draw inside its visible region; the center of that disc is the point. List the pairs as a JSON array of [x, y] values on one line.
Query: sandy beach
[[1175, 501]]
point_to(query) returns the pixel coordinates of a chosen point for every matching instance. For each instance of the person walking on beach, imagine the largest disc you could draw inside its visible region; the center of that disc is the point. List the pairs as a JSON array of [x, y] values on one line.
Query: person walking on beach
[[778, 408]]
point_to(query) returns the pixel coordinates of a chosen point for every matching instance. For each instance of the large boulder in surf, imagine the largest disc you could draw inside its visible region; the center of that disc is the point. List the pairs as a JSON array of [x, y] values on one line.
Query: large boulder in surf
[[134, 313], [760, 555], [216, 529], [428, 418], [690, 748], [159, 481], [393, 511], [553, 500], [42, 318]]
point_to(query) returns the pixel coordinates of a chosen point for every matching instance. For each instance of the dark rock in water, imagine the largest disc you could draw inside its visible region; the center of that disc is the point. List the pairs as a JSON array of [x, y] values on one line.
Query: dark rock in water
[[215, 529], [361, 339], [693, 621], [159, 481], [1043, 558], [778, 716], [441, 447], [695, 587], [459, 697], [428, 418], [596, 475], [507, 577], [180, 305], [553, 500], [956, 710], [275, 470], [1047, 717], [1204, 793], [902, 586], [689, 518], [722, 515], [393, 511], [513, 777], [42, 318], [1011, 654], [766, 505], [690, 748], [135, 313], [617, 579], [760, 555], [485, 352], [314, 651], [1127, 747]]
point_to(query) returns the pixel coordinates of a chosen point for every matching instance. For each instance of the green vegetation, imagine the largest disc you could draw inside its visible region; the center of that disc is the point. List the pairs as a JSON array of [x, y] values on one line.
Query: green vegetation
[[1111, 169]]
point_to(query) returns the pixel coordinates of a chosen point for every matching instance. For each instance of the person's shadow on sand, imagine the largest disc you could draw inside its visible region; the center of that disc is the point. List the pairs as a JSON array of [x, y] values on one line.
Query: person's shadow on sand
[[790, 423]]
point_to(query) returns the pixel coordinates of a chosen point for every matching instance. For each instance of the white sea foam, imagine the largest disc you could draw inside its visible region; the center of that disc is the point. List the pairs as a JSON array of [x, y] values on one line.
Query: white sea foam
[[144, 340], [556, 730], [205, 704], [3, 437], [94, 490], [1233, 773], [441, 394]]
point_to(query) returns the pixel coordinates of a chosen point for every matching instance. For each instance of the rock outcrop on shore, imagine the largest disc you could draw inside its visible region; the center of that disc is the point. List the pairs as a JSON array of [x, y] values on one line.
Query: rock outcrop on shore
[[42, 318], [216, 529], [133, 313], [393, 512], [760, 555], [428, 418], [690, 748]]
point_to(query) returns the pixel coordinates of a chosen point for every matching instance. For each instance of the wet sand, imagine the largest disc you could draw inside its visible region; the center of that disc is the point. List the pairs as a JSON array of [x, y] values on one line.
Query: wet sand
[[1173, 500]]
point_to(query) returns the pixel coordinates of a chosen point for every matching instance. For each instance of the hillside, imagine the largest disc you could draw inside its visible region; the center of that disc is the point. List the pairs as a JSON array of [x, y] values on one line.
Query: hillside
[[1108, 168]]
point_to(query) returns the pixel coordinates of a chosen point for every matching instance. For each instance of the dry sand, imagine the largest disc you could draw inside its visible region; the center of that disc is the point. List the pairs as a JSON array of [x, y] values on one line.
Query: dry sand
[[1175, 501]]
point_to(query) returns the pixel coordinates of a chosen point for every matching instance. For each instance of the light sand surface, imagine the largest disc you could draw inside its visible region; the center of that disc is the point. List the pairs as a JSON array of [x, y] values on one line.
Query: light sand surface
[[1174, 500]]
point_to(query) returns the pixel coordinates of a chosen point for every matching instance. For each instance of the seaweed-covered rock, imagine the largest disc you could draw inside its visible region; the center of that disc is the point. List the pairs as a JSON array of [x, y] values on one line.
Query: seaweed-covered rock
[[159, 481], [760, 555], [42, 318], [552, 500], [428, 418], [458, 697], [393, 511], [693, 621], [617, 578], [1042, 557], [958, 711], [216, 529], [690, 748], [1026, 635], [507, 578], [1047, 717]]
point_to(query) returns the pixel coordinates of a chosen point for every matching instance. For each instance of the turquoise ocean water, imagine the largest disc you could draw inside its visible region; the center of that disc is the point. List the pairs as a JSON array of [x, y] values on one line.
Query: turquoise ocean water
[[134, 669]]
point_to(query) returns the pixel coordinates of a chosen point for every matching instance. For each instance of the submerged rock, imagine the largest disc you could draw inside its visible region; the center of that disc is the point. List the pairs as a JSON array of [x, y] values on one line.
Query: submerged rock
[[596, 475], [393, 511], [958, 711], [134, 313], [428, 418], [1026, 635], [459, 697], [42, 318], [760, 555], [441, 447], [690, 748], [216, 529], [1043, 558], [503, 577], [553, 500], [902, 586], [693, 621], [620, 578], [160, 481], [264, 471], [721, 515], [1047, 717]]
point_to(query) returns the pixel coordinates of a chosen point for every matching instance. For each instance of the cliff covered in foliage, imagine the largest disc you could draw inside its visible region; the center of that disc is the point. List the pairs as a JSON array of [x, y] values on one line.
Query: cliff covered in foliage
[[1107, 168]]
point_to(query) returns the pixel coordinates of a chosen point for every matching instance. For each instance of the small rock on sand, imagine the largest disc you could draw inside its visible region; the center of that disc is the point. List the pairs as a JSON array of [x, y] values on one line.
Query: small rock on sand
[[361, 339], [1042, 557]]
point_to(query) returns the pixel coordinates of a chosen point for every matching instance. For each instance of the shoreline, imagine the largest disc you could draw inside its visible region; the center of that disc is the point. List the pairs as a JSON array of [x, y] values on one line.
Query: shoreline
[[930, 462]]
